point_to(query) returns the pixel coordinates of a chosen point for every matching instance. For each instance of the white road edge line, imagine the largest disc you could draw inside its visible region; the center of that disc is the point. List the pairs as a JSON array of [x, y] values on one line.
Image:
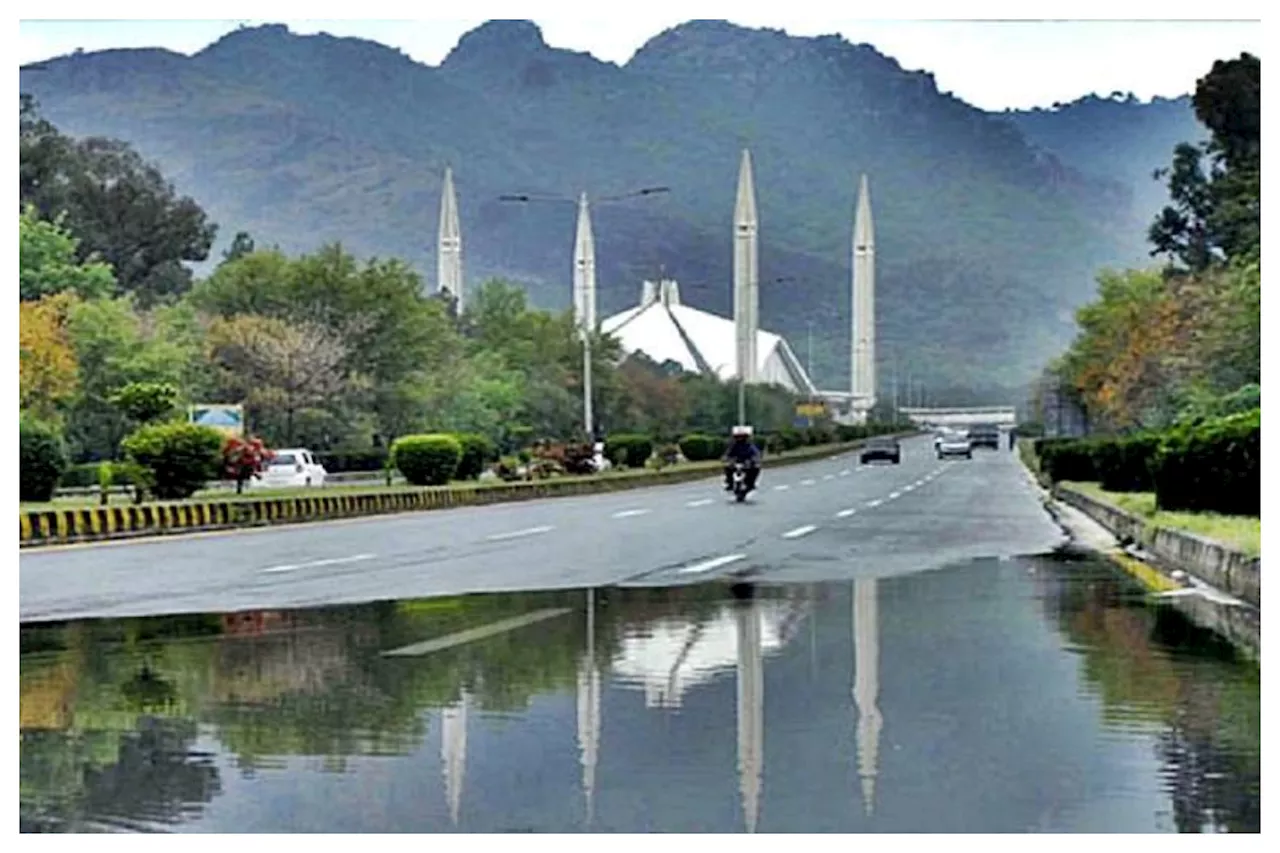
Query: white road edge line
[[516, 534], [702, 502], [627, 513], [800, 531], [714, 563], [845, 513], [317, 563]]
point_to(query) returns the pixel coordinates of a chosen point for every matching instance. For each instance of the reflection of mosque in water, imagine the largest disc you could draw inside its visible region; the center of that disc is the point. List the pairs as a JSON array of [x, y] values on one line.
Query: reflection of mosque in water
[[673, 655]]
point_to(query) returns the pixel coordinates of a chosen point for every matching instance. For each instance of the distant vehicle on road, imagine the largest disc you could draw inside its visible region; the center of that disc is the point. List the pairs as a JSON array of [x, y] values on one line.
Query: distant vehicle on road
[[882, 447], [985, 435], [953, 443], [292, 468]]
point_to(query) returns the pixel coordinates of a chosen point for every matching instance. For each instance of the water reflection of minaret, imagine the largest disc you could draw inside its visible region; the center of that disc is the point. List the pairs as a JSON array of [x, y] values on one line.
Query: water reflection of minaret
[[750, 709], [866, 683], [589, 710], [453, 752]]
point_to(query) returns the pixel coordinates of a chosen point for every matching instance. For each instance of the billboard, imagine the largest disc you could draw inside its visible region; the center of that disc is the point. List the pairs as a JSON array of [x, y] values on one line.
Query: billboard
[[811, 410], [226, 419]]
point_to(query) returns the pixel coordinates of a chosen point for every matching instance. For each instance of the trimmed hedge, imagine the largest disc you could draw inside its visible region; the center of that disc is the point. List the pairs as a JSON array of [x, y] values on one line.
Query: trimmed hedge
[[628, 449], [343, 461], [477, 451], [1124, 464], [1067, 459], [42, 458], [180, 458], [698, 447], [427, 460], [1214, 466]]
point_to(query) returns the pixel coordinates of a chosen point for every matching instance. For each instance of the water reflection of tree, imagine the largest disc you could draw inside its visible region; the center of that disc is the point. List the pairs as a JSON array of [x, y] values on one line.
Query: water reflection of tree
[[1151, 667], [99, 700], [129, 780]]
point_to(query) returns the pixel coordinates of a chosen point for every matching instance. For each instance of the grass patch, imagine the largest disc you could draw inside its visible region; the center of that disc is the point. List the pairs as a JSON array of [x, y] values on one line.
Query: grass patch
[[1244, 533]]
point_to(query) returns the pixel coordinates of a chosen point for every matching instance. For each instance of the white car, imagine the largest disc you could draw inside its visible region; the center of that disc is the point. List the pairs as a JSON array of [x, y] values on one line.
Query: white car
[[291, 468], [953, 443]]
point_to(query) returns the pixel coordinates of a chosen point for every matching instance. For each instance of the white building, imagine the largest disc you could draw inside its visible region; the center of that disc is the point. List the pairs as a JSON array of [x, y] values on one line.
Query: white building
[[665, 329]]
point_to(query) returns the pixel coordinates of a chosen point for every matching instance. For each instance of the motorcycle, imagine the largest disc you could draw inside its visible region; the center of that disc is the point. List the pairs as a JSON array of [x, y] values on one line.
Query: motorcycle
[[740, 487]]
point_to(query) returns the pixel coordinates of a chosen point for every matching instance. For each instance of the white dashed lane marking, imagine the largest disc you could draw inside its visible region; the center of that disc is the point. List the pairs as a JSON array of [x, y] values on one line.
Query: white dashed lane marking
[[875, 502], [800, 531], [845, 513], [807, 482], [702, 502], [715, 563], [628, 513], [780, 488], [845, 473], [894, 495], [516, 534], [336, 561], [828, 476]]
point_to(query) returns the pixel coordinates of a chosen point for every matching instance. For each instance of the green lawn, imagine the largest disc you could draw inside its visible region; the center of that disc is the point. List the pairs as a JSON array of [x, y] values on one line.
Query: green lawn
[[1237, 531]]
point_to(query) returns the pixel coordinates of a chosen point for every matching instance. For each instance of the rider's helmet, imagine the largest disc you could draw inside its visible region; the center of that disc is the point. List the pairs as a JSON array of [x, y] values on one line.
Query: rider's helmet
[[742, 432]]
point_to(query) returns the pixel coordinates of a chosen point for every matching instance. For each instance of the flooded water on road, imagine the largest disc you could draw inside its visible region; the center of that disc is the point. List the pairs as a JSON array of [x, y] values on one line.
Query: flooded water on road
[[997, 696]]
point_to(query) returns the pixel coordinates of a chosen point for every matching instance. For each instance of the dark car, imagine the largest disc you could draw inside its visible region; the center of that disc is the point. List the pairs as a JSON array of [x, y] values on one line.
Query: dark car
[[985, 435], [882, 448]]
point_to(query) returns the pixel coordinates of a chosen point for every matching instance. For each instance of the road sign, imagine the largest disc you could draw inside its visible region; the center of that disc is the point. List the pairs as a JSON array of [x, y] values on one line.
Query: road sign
[[226, 419]]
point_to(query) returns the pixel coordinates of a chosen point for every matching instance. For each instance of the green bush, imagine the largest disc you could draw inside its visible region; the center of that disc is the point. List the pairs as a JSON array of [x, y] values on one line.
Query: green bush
[[81, 476], [477, 450], [791, 439], [341, 461], [1124, 464], [697, 447], [179, 458], [1067, 459], [427, 460], [1211, 467], [850, 432], [630, 450], [42, 459]]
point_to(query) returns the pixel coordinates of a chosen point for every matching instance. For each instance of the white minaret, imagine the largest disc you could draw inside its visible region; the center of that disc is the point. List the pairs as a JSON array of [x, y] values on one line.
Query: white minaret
[[449, 244], [746, 274], [584, 269], [862, 372], [866, 684], [589, 712], [453, 753], [750, 710]]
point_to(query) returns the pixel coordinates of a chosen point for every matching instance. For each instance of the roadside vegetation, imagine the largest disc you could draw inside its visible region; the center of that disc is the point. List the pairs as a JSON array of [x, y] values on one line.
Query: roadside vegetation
[[1166, 367]]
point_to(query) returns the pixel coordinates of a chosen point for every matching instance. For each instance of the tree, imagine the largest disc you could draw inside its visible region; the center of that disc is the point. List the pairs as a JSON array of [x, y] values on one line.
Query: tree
[[48, 374], [144, 402], [1216, 212], [47, 262], [280, 368], [120, 207], [241, 245]]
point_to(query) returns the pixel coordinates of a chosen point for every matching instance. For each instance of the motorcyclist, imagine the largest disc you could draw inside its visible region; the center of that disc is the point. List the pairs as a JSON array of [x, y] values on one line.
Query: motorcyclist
[[741, 449]]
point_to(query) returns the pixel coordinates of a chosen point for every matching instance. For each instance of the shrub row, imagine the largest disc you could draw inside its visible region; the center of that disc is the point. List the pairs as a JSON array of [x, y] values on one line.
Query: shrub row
[[630, 450], [1205, 466], [345, 461]]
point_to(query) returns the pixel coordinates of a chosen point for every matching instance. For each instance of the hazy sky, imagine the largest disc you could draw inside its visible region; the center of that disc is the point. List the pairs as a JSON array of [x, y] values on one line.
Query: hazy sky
[[991, 64]]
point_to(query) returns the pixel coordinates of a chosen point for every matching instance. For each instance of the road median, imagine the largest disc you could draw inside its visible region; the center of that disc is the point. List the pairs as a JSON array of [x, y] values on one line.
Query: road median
[[57, 526]]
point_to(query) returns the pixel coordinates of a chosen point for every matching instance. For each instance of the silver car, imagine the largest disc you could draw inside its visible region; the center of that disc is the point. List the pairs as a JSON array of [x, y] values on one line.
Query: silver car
[[953, 443]]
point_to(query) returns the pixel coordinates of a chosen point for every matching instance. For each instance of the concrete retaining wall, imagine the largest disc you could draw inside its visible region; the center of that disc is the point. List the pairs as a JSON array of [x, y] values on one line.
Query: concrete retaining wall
[[1225, 568], [61, 526]]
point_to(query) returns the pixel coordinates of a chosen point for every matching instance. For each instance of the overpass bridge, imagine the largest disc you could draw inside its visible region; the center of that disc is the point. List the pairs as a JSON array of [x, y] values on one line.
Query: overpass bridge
[[999, 415]]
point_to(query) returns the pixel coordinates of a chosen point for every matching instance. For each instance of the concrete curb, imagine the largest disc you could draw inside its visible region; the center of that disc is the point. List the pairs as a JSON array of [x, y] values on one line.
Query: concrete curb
[[89, 524]]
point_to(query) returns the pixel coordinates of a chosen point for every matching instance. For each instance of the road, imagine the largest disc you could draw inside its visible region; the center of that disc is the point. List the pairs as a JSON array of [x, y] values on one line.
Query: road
[[830, 518]]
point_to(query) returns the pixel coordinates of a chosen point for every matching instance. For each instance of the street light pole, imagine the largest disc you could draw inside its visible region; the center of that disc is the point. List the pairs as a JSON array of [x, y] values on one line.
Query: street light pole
[[584, 252]]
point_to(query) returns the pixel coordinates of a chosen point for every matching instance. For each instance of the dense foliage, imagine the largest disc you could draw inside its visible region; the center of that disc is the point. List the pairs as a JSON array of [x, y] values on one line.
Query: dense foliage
[[1212, 466], [42, 460], [427, 460], [477, 451], [698, 448], [1162, 345], [630, 450]]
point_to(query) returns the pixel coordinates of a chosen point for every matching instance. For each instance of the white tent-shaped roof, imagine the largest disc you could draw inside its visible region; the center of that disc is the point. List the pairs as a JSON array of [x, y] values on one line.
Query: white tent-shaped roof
[[664, 329]]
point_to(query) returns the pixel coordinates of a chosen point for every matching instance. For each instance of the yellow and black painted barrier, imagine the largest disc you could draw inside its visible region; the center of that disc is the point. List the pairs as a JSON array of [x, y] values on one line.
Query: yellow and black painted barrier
[[86, 524]]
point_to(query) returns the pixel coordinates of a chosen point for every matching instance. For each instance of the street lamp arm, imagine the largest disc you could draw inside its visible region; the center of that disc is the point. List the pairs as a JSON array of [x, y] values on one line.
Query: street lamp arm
[[530, 197]]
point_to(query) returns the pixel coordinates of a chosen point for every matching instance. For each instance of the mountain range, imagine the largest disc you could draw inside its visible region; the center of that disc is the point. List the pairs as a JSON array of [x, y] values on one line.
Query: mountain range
[[990, 227]]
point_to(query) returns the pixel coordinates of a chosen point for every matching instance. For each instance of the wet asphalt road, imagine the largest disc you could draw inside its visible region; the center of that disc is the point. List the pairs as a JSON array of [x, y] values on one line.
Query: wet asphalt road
[[832, 519]]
